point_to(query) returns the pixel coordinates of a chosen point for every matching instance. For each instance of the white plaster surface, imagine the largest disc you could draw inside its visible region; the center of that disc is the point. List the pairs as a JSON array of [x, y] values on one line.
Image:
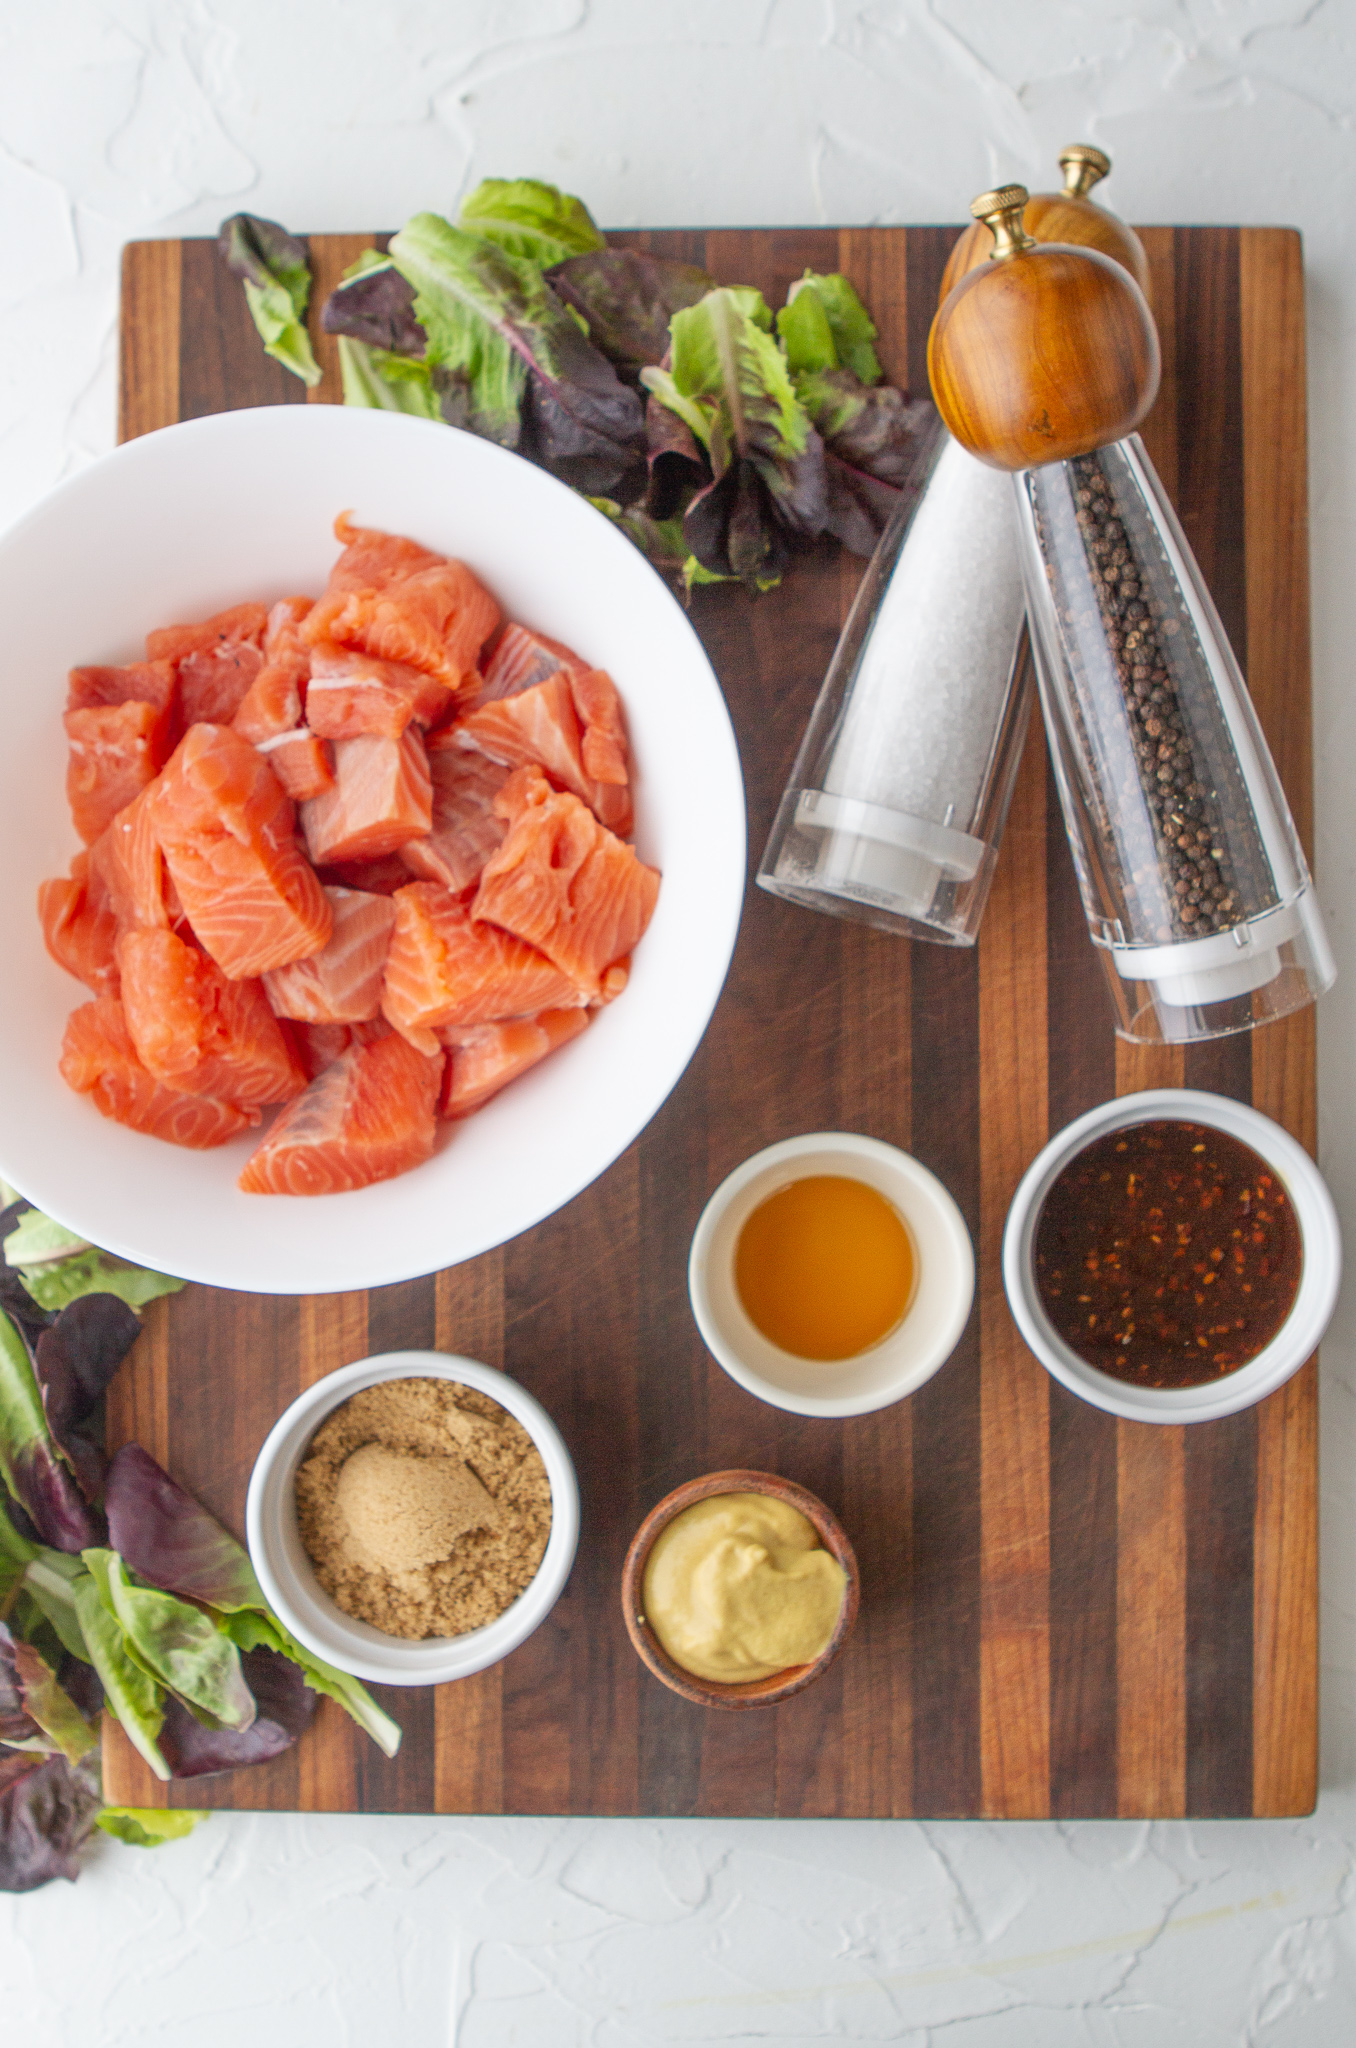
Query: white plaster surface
[[124, 118]]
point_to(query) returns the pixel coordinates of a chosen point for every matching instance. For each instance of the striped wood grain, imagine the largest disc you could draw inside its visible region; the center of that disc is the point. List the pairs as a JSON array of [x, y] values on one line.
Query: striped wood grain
[[1061, 1614]]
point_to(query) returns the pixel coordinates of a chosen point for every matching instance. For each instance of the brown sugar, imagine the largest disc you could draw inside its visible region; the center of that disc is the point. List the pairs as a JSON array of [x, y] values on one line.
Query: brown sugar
[[424, 1507]]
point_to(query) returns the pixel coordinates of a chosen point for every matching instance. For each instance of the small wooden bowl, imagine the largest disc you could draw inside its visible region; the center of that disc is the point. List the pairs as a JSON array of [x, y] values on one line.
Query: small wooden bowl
[[758, 1692]]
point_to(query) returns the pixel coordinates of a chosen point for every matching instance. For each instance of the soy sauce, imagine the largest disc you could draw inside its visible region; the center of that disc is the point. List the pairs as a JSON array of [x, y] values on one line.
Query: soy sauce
[[1167, 1254]]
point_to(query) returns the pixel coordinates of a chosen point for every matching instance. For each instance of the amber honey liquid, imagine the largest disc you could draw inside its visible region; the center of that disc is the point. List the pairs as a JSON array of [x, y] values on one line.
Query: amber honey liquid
[[825, 1267]]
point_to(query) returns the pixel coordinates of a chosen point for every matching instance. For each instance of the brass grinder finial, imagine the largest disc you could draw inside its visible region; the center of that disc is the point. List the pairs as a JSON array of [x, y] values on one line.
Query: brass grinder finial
[[1083, 166], [1002, 212]]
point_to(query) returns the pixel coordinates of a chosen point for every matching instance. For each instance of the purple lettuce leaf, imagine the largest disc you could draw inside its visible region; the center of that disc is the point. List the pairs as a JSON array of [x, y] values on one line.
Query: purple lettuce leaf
[[628, 300], [75, 1359], [677, 461], [732, 530], [171, 1541], [16, 1723], [376, 307], [47, 1809], [31, 1463], [285, 1705], [35, 1709]]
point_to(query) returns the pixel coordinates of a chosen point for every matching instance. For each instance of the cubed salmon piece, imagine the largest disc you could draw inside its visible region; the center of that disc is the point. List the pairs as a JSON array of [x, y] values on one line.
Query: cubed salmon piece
[[517, 658], [320, 1045], [228, 833], [603, 725], [80, 927], [303, 764], [98, 1059], [372, 559], [382, 796], [276, 698], [198, 1032], [565, 884], [370, 1115], [350, 693], [486, 1057], [113, 756], [542, 726], [139, 682], [245, 623], [127, 859], [436, 620], [465, 828], [341, 984], [443, 968], [379, 877]]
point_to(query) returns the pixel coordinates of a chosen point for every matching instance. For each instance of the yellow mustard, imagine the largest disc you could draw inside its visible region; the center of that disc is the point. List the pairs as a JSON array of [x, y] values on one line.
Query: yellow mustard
[[738, 1587]]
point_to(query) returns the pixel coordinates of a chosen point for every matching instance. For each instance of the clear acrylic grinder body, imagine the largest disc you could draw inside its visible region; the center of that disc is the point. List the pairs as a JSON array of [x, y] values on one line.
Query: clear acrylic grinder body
[[900, 791], [1196, 889]]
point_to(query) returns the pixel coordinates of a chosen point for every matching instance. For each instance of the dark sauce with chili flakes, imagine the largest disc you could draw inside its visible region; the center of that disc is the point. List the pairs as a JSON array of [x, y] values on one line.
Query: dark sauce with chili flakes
[[1167, 1254]]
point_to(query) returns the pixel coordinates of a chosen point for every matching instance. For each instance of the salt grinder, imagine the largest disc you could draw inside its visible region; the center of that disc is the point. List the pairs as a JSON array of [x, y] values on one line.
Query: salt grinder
[[1194, 884], [897, 802]]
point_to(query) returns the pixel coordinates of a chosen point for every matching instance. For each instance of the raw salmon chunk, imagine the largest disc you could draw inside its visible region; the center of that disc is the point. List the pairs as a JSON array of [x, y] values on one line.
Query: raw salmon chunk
[[372, 559], [320, 1045], [303, 764], [113, 755], [239, 623], [466, 828], [381, 876], [127, 859], [485, 1058], [565, 884], [445, 969], [350, 693], [98, 1059], [518, 659], [217, 661], [80, 927], [275, 700], [341, 984], [543, 726], [368, 1116], [382, 796], [140, 682], [227, 831], [599, 710], [436, 620], [195, 1030]]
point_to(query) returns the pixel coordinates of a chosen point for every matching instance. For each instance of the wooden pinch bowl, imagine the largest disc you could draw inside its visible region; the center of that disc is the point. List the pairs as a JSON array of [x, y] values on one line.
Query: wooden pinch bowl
[[758, 1692]]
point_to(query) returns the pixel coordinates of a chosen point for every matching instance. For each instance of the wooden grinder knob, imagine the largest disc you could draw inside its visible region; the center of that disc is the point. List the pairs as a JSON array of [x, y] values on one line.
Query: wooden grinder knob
[[1067, 216], [1045, 352]]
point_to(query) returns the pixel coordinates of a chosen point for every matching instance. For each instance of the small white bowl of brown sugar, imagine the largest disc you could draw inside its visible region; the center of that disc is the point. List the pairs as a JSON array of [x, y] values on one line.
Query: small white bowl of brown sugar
[[413, 1518]]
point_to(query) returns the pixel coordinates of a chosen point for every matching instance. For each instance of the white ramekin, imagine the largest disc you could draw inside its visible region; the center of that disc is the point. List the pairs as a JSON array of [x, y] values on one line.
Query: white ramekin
[[284, 1569], [900, 1363], [1299, 1334]]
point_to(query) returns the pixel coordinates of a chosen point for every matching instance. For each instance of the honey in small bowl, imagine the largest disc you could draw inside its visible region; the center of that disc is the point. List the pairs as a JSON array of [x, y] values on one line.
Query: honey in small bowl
[[825, 1267]]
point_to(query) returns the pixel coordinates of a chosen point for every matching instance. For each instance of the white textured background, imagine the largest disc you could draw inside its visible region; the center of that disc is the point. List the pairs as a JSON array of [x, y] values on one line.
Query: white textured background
[[156, 117]]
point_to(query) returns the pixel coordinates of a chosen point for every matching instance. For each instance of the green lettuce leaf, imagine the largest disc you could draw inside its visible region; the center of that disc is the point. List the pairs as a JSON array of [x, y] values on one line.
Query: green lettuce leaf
[[261, 1630], [147, 1827], [825, 326], [276, 275], [557, 397], [530, 219], [49, 1579], [46, 1702], [31, 1464], [184, 1649], [376, 378], [57, 1267], [132, 1696]]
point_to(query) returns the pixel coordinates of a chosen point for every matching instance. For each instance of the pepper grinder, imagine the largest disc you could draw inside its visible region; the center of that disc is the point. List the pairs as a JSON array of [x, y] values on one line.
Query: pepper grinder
[[1067, 216], [896, 805], [1195, 887]]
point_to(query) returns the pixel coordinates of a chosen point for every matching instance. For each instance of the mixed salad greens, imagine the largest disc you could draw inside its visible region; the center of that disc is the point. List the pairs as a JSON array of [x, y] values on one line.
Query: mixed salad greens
[[719, 438], [117, 1589]]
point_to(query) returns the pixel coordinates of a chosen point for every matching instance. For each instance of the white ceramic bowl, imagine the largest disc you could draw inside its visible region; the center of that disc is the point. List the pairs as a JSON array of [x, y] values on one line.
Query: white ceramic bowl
[[285, 1573], [900, 1363], [1299, 1334], [175, 526]]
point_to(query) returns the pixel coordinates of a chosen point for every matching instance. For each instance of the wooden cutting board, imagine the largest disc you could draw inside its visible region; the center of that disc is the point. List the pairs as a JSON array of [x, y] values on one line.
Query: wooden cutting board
[[1062, 1614]]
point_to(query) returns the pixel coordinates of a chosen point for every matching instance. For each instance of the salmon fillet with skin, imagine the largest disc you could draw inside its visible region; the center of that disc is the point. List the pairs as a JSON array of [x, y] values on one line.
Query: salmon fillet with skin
[[465, 827], [485, 1058], [563, 883], [139, 682], [80, 927], [342, 983], [367, 1117], [113, 756], [382, 796], [99, 1060], [228, 834], [303, 764], [445, 969], [351, 693], [436, 620], [127, 859], [198, 1032]]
